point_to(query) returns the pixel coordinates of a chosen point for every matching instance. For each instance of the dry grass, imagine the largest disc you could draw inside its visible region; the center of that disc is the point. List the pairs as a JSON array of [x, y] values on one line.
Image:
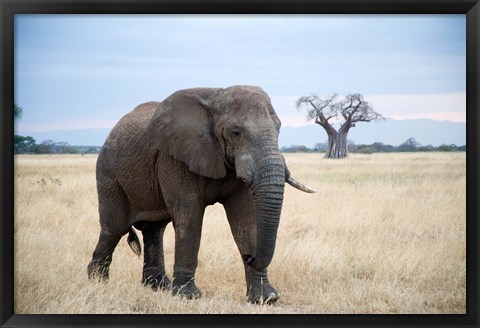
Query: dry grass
[[385, 233]]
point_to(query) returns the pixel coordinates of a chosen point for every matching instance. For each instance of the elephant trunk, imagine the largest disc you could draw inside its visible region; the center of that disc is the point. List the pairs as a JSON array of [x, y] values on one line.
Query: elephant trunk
[[267, 191]]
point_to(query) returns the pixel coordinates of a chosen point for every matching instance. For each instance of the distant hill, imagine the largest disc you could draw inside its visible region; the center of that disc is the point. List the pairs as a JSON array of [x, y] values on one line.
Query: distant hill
[[391, 132]]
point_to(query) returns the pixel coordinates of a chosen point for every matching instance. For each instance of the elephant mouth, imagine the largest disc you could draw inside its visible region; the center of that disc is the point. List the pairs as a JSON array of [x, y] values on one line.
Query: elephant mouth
[[230, 162], [248, 184]]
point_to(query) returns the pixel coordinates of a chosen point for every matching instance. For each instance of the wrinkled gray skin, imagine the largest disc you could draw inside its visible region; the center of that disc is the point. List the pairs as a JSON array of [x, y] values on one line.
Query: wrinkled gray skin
[[166, 161]]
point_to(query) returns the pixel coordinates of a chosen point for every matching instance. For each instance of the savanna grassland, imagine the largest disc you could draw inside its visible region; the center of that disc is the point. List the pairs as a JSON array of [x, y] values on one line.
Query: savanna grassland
[[385, 233]]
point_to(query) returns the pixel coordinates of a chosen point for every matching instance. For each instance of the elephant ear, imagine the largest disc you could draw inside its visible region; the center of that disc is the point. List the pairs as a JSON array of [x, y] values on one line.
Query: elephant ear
[[183, 128]]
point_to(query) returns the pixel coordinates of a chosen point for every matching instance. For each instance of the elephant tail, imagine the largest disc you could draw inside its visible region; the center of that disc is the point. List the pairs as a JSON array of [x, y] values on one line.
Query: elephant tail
[[133, 242]]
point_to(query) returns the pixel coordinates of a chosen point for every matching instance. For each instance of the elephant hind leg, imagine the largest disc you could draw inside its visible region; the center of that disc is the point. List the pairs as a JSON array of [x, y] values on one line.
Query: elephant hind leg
[[98, 268], [114, 215], [154, 274]]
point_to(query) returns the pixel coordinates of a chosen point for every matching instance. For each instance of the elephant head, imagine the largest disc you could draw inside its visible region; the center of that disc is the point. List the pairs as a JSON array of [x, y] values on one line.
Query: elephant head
[[214, 131]]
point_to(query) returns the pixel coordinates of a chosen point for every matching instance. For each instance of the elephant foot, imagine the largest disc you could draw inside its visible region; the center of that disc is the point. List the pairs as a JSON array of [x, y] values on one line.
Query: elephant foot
[[188, 290], [264, 294], [259, 290], [160, 282], [98, 270]]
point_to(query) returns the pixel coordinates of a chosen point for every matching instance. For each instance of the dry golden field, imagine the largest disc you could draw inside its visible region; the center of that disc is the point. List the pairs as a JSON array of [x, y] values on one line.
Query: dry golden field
[[385, 233]]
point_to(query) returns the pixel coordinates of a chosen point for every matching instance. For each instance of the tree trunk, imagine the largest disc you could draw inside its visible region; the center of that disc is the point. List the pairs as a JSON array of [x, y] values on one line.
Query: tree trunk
[[337, 145]]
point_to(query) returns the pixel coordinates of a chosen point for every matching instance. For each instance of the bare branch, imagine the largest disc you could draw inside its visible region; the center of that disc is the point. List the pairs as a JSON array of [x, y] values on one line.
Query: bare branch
[[319, 108], [356, 109]]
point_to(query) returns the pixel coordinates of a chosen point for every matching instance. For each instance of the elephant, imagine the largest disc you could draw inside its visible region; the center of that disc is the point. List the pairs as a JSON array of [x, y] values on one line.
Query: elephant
[[167, 161]]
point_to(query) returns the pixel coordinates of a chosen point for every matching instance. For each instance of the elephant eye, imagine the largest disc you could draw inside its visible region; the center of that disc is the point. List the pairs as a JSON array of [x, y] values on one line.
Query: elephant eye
[[235, 134]]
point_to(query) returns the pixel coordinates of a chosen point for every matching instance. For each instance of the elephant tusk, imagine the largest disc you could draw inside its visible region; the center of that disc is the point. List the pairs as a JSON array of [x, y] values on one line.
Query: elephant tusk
[[300, 186]]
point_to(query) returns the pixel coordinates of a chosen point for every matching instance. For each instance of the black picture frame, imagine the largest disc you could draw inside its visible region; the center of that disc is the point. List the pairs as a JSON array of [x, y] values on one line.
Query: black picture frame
[[9, 8]]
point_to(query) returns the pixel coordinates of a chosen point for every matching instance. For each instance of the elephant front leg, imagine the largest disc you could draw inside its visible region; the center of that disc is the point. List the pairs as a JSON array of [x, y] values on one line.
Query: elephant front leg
[[259, 289], [241, 215], [188, 227], [154, 274]]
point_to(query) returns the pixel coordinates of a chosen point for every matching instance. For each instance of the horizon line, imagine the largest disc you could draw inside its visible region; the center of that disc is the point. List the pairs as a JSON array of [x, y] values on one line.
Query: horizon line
[[290, 124]]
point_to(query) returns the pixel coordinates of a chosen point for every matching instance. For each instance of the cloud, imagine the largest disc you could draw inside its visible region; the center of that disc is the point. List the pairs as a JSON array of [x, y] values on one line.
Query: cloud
[[68, 69], [444, 106]]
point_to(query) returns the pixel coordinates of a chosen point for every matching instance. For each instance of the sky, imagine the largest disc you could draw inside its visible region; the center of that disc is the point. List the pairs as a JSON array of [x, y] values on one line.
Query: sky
[[87, 71]]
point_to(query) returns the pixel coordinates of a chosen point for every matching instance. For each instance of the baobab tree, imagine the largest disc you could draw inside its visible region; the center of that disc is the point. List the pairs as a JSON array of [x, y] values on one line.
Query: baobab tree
[[330, 110]]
